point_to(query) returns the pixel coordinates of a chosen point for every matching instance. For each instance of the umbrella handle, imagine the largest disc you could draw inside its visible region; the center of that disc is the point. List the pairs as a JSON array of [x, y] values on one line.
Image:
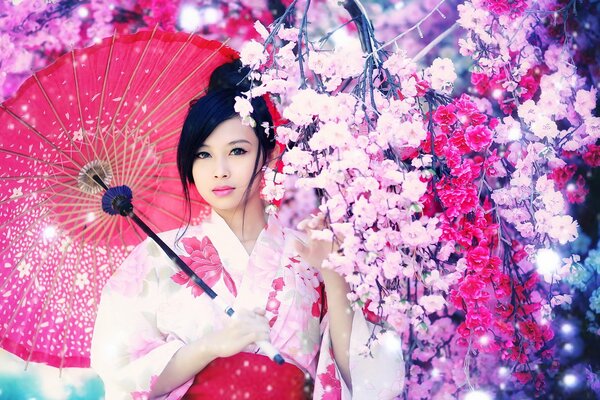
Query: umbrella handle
[[265, 346], [117, 200]]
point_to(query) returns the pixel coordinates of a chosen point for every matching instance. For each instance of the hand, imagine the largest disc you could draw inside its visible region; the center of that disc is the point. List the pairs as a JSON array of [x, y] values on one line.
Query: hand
[[244, 328], [318, 247]]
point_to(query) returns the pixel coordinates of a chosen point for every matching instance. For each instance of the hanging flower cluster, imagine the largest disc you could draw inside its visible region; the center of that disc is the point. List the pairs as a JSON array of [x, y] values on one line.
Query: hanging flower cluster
[[440, 209]]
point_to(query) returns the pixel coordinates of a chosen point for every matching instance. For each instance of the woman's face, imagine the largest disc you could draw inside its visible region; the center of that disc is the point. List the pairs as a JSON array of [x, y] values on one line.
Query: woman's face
[[224, 165]]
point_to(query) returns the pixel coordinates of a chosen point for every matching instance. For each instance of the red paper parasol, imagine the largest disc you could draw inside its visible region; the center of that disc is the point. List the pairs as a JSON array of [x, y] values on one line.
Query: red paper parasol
[[115, 110]]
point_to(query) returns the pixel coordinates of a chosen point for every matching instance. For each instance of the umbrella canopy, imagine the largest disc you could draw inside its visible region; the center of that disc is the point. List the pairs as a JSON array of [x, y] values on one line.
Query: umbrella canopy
[[114, 110]]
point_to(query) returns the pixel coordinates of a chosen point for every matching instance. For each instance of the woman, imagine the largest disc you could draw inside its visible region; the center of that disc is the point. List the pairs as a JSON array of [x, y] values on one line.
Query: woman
[[158, 336]]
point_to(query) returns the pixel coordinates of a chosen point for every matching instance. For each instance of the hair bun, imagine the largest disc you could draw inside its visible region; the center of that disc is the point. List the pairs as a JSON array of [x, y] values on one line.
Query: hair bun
[[230, 76]]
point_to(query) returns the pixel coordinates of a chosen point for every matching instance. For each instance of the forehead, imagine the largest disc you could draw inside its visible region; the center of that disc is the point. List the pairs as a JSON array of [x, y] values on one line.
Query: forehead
[[229, 131]]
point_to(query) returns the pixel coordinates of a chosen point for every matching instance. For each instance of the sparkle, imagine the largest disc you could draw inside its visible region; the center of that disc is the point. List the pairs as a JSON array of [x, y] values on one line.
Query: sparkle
[[514, 134], [568, 347], [570, 380], [391, 342], [90, 217], [567, 328], [547, 261], [189, 18], [49, 232], [341, 36], [83, 12], [478, 395]]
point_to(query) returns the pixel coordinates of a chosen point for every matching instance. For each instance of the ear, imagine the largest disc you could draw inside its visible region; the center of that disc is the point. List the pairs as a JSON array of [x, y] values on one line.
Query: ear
[[275, 155]]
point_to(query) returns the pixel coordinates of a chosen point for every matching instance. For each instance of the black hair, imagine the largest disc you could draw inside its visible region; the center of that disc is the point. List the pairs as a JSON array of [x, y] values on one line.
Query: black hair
[[217, 106]]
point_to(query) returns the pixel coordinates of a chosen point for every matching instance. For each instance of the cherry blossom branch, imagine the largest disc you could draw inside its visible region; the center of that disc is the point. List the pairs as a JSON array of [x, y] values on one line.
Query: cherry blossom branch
[[425, 50], [416, 26]]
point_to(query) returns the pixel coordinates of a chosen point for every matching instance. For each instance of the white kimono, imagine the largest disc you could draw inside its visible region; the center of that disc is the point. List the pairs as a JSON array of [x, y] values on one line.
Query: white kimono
[[149, 311]]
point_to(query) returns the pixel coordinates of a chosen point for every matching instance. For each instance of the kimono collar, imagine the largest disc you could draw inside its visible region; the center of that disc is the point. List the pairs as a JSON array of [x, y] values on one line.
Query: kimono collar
[[230, 248], [254, 272], [219, 226]]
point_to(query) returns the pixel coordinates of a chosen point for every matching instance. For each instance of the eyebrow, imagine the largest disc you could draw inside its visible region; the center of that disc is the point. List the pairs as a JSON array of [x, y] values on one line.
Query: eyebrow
[[231, 143]]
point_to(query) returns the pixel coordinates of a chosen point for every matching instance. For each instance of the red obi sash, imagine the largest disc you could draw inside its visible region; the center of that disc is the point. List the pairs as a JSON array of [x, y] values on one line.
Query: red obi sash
[[248, 376]]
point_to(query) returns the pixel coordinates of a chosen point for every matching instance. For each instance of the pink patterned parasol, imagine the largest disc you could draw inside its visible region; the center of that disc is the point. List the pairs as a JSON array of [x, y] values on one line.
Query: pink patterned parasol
[[114, 110]]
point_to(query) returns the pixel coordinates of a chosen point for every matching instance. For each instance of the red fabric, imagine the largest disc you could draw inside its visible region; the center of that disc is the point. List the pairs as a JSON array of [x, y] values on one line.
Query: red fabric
[[247, 376]]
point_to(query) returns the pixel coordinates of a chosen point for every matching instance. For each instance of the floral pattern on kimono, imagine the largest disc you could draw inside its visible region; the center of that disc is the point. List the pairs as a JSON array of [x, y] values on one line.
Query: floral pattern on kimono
[[148, 312]]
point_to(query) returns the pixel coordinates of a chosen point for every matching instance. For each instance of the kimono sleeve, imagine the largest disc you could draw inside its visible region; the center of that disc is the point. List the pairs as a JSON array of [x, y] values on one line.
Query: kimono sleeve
[[128, 351], [379, 375]]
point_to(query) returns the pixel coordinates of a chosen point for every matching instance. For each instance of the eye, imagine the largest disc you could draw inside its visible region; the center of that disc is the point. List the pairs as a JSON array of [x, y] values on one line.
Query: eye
[[238, 151], [202, 154]]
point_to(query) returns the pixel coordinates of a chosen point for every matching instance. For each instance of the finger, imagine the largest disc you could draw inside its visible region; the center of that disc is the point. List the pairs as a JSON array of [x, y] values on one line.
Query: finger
[[254, 336], [302, 224], [319, 219], [300, 246], [260, 311]]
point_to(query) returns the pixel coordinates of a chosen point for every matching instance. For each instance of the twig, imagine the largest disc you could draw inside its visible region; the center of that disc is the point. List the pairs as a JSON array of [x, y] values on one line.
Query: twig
[[416, 26], [435, 42]]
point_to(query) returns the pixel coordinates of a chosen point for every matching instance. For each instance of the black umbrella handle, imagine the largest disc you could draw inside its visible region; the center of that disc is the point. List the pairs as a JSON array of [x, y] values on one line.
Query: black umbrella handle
[[117, 200], [265, 346], [175, 258]]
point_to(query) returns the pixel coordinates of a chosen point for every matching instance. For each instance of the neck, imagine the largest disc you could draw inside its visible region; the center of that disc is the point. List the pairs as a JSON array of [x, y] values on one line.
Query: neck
[[248, 224]]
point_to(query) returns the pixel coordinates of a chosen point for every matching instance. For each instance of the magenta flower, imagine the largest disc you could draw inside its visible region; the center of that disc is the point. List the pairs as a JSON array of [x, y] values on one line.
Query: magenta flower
[[205, 262]]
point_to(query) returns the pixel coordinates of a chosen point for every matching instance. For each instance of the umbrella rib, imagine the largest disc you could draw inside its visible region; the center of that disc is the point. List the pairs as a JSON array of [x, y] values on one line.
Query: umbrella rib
[[134, 167], [80, 212], [61, 265], [137, 67], [164, 120], [11, 320], [13, 270], [170, 194], [178, 196], [164, 70], [44, 177], [75, 228], [26, 195], [38, 134], [95, 283], [60, 121], [24, 231], [128, 167], [24, 212], [147, 220], [70, 196], [102, 92], [71, 187], [69, 308], [161, 209], [81, 120], [16, 153], [80, 234], [99, 130], [173, 195], [175, 89], [135, 230], [165, 178]]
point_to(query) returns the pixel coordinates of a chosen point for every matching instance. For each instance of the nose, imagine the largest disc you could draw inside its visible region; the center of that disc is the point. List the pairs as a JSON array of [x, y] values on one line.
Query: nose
[[221, 169]]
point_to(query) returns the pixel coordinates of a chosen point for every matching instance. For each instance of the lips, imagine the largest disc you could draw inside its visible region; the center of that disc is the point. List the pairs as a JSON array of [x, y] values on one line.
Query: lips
[[222, 190]]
